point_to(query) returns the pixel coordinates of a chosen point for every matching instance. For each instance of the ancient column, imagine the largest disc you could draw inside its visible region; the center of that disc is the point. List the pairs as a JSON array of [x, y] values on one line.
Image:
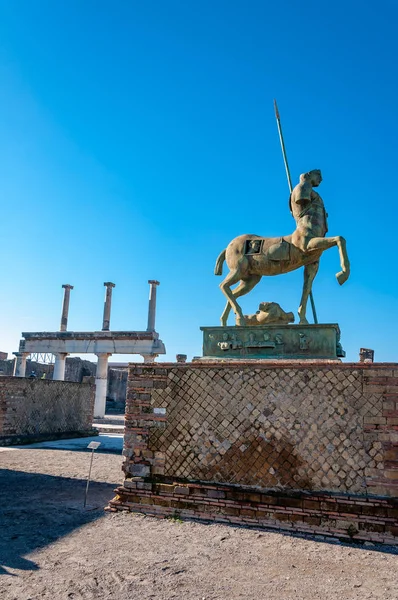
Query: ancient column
[[65, 306], [101, 381], [20, 364], [152, 305], [107, 305], [59, 366]]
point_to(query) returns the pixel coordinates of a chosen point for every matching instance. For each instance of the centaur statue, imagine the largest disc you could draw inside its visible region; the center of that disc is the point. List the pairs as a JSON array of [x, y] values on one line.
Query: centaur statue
[[250, 256]]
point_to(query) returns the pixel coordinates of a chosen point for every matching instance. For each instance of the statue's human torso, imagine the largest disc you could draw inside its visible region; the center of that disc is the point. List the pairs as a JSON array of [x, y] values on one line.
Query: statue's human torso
[[308, 210]]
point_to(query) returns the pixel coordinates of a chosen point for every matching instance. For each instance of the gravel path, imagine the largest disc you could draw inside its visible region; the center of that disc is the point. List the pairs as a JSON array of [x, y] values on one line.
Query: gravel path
[[52, 548]]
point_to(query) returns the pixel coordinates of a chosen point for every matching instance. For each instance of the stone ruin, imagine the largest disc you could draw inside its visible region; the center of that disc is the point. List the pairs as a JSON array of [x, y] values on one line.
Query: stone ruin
[[103, 343]]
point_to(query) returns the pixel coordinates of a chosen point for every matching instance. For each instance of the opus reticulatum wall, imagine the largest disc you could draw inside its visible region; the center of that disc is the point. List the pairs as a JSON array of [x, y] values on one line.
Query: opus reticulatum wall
[[252, 442]]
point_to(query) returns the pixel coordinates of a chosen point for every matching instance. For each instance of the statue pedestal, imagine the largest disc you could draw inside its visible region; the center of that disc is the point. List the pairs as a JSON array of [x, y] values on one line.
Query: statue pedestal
[[273, 342]]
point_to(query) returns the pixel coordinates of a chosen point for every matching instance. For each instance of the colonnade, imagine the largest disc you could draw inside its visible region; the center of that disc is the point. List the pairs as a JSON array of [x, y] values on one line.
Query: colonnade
[[101, 377]]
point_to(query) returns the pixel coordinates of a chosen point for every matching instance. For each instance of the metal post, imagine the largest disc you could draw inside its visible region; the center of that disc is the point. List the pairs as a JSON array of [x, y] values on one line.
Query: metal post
[[278, 122], [289, 180], [93, 446]]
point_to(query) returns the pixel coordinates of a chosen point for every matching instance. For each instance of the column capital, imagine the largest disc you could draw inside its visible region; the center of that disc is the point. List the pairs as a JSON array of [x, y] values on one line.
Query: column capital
[[67, 286], [21, 354], [153, 282], [149, 358], [61, 355], [103, 354], [109, 284]]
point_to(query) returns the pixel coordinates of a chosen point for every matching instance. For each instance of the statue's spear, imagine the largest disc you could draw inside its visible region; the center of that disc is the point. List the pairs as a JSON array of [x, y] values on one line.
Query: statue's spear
[[289, 181]]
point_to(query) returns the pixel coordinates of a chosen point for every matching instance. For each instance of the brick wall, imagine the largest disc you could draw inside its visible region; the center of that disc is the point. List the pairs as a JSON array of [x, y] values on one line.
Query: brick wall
[[34, 409], [322, 431]]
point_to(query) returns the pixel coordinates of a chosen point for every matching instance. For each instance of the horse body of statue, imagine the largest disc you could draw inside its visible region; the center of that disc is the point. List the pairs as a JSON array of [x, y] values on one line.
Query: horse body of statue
[[249, 256]]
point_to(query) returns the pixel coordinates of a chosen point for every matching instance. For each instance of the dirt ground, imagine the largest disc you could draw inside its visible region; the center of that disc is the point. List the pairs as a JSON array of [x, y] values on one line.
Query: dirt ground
[[51, 547]]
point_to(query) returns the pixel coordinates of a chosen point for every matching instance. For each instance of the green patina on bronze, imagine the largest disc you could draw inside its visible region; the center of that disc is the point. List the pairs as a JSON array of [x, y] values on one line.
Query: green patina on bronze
[[273, 342]]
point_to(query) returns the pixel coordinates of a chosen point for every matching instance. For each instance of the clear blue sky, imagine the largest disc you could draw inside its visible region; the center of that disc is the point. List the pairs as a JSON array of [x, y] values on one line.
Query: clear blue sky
[[138, 138]]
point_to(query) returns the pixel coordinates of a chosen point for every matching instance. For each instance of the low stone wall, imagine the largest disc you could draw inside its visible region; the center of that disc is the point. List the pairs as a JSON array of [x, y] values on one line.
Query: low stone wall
[[76, 370], [324, 432], [36, 409], [349, 518]]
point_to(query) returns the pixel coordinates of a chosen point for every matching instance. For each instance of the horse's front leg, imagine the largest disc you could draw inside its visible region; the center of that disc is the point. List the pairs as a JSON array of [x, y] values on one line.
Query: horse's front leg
[[344, 274], [309, 274], [339, 241]]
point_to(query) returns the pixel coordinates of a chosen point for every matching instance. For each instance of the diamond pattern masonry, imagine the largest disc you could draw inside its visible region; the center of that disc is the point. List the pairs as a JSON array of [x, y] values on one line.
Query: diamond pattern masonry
[[282, 426]]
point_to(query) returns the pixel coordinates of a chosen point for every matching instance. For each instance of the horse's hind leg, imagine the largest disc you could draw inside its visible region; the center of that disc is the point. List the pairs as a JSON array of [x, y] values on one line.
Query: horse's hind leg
[[225, 314], [309, 274], [225, 286], [243, 288]]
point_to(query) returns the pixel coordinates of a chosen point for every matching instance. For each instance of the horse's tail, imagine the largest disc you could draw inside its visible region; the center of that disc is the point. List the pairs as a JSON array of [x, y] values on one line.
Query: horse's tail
[[219, 263]]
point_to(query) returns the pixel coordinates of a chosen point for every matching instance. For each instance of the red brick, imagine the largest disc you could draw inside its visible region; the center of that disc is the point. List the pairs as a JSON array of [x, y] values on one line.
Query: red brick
[[282, 516], [311, 505], [233, 512], [247, 512], [312, 520]]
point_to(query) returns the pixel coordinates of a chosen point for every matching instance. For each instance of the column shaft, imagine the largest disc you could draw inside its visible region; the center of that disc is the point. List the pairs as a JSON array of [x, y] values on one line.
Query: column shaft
[[101, 381], [65, 307], [107, 306], [59, 366], [20, 364], [152, 305]]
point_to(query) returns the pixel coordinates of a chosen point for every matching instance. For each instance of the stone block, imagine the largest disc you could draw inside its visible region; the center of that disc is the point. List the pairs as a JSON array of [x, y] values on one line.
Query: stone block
[[181, 490], [140, 470]]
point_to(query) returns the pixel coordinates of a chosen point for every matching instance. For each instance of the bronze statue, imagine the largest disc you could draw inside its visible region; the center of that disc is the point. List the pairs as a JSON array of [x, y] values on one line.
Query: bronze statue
[[250, 256], [269, 313]]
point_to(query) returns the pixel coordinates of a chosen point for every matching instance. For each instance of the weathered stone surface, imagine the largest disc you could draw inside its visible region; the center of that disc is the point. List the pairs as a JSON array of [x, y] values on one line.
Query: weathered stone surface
[[36, 408], [269, 425], [75, 342]]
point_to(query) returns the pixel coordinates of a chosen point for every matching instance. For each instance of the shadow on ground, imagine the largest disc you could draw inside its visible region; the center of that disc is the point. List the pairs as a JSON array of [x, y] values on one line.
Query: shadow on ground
[[36, 510]]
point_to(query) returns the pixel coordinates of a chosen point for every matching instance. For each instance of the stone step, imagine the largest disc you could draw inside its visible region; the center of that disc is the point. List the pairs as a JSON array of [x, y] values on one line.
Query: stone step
[[108, 427], [110, 420]]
